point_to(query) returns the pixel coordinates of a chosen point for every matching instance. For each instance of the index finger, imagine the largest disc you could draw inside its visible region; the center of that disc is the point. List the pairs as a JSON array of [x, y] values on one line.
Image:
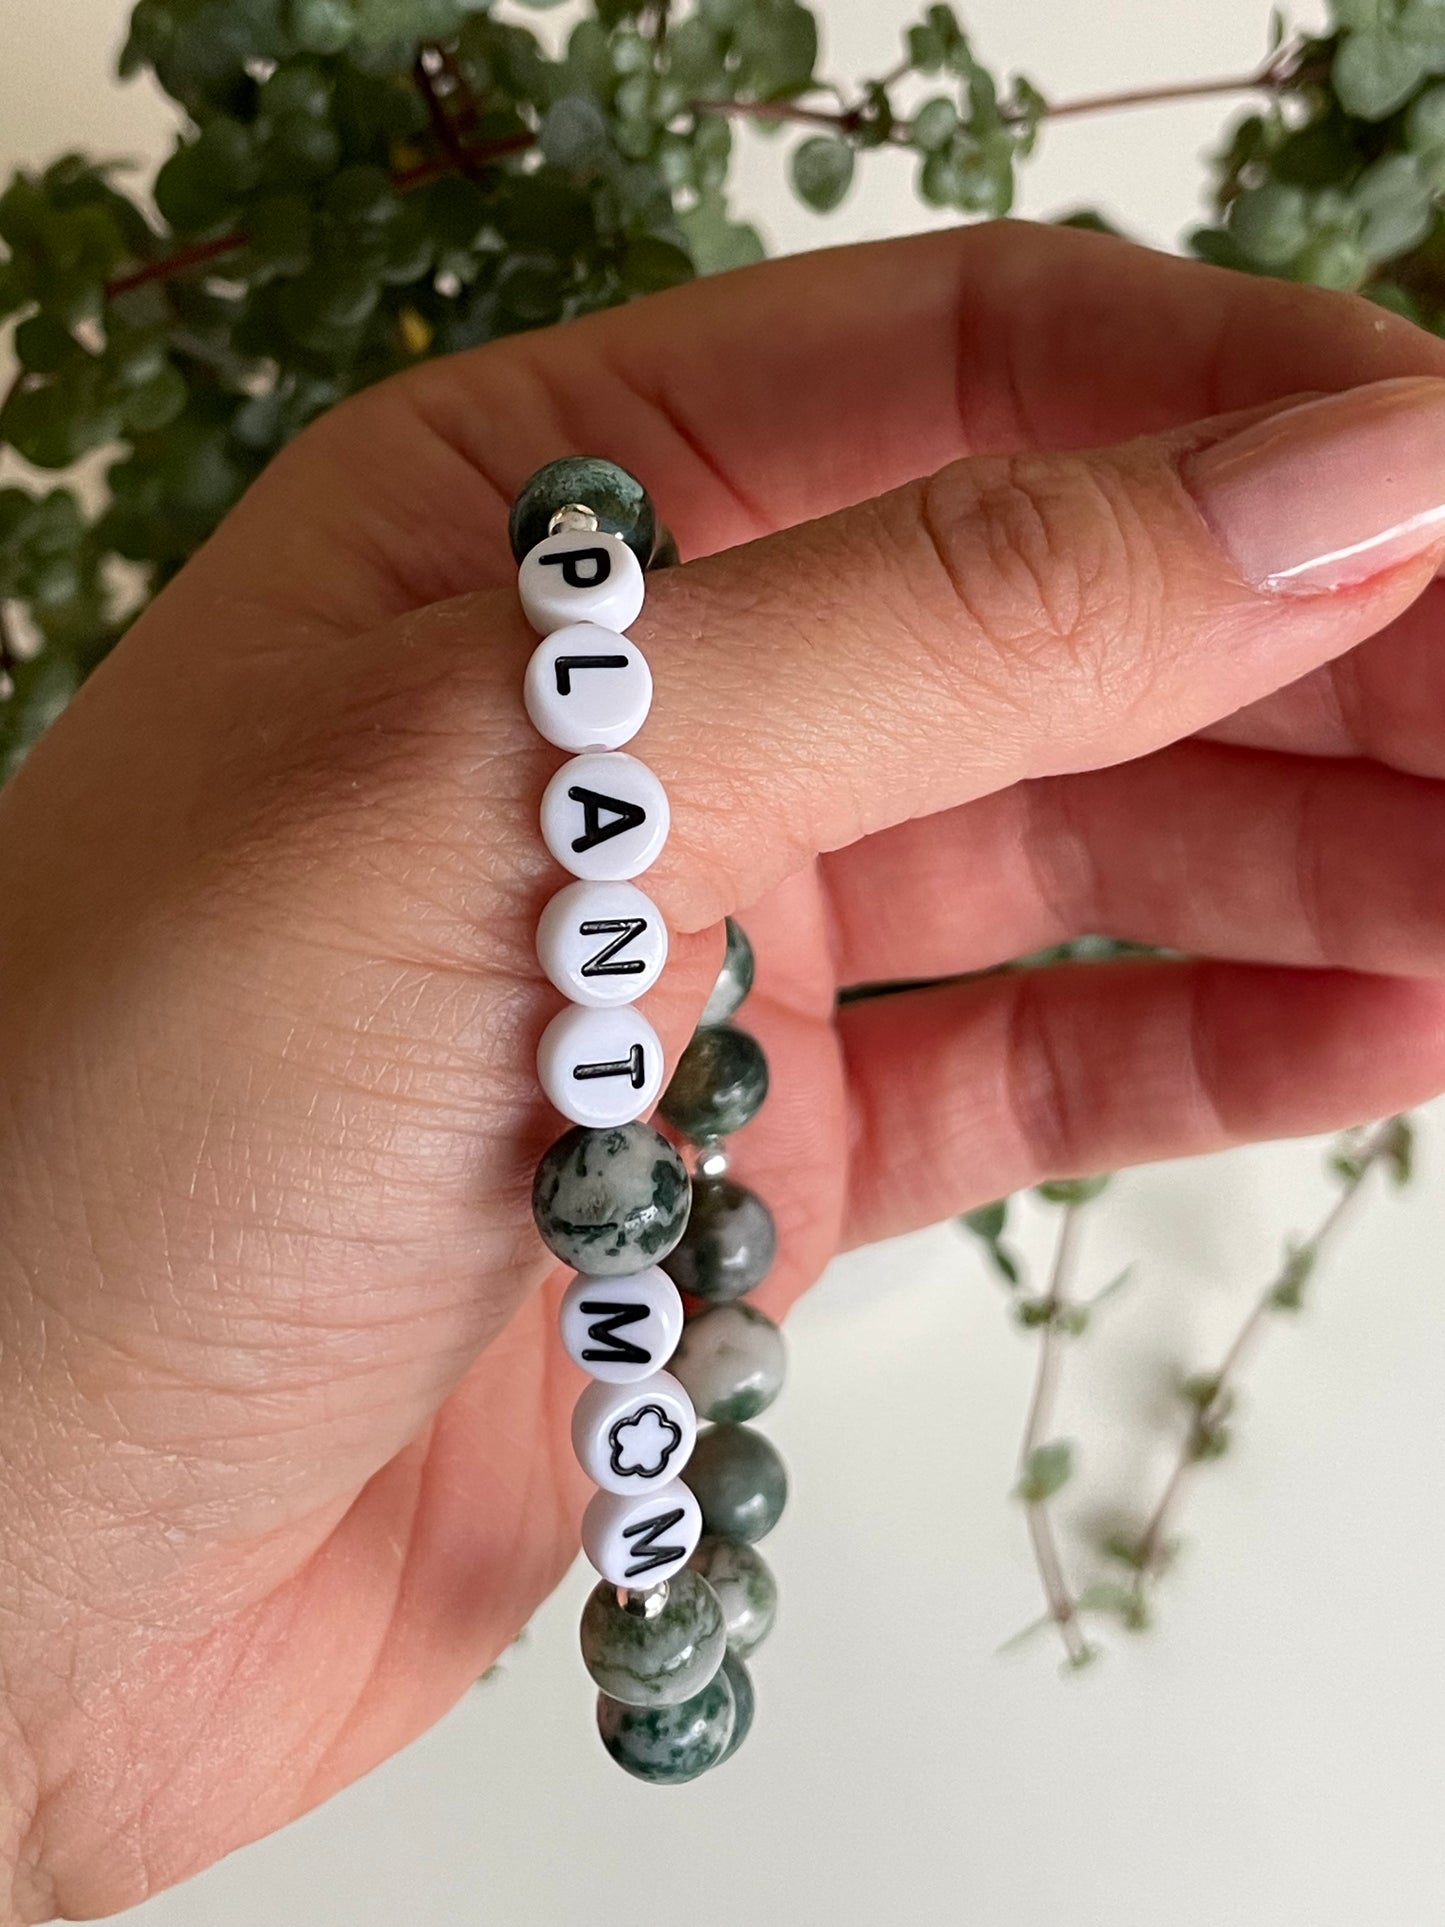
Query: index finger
[[757, 400]]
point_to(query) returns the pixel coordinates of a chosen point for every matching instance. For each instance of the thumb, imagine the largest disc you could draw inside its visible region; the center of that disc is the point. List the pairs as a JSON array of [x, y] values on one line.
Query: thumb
[[1018, 617]]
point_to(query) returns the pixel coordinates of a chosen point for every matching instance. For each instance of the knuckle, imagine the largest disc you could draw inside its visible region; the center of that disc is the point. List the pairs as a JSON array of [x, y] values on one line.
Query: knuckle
[[1053, 564]]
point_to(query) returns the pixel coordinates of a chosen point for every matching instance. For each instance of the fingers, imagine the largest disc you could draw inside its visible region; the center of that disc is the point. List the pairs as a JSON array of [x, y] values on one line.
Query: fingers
[[1013, 619], [967, 1092], [754, 401], [1218, 851], [1385, 700]]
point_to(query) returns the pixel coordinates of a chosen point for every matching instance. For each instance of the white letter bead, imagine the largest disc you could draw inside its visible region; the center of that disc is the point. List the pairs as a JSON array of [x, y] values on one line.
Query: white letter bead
[[641, 1540], [578, 576], [602, 944], [587, 688], [622, 1329], [634, 1438], [600, 1067], [605, 817]]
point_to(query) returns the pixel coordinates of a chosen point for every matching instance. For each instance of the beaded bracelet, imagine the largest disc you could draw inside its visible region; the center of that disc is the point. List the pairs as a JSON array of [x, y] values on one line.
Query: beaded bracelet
[[683, 1598]]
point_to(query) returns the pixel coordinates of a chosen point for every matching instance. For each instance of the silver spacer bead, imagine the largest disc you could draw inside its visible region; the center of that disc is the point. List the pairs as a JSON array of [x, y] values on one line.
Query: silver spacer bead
[[643, 1605], [573, 515], [712, 1158]]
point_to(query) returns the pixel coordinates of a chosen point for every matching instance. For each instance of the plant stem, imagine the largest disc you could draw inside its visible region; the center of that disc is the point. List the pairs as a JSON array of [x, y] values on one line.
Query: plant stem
[[1154, 1540], [1280, 71], [1057, 1594]]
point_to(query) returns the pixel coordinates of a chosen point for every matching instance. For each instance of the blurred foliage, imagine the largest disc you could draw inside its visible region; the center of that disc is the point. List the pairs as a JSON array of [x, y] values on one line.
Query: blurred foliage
[[356, 184]]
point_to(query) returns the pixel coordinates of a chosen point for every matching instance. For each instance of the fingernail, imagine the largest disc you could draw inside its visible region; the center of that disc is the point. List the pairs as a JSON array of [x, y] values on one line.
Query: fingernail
[[1331, 492]]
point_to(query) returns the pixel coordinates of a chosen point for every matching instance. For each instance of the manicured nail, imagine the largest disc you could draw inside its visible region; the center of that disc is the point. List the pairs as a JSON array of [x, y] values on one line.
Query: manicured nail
[[1331, 492]]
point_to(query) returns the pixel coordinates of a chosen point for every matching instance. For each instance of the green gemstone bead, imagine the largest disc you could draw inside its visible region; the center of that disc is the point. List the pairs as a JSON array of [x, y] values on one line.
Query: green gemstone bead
[[734, 979], [618, 500], [611, 1201], [669, 1745], [729, 1243], [739, 1481], [720, 1081], [744, 1701], [659, 1661], [665, 553], [746, 1590], [731, 1361]]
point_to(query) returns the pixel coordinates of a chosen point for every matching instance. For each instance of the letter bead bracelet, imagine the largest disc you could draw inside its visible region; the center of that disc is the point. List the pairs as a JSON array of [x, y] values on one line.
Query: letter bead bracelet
[[664, 1253]]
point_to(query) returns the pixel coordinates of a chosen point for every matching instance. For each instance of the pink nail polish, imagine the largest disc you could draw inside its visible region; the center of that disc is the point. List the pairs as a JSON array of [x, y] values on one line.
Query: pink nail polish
[[1331, 492]]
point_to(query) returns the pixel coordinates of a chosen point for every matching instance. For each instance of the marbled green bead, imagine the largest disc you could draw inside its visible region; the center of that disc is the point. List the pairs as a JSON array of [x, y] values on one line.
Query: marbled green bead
[[731, 1361], [720, 1081], [734, 980], [659, 1661], [669, 1745], [744, 1701], [745, 1588], [618, 500], [729, 1243], [611, 1201], [739, 1480]]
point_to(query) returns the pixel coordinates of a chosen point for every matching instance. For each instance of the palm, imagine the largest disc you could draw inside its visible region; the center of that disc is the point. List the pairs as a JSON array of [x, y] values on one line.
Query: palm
[[419, 1497]]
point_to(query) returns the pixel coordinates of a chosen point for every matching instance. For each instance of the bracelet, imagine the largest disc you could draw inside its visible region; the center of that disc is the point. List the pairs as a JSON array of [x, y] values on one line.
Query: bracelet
[[663, 1254]]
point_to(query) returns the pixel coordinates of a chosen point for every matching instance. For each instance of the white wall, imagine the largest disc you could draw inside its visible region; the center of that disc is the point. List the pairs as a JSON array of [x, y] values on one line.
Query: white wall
[[1272, 1756]]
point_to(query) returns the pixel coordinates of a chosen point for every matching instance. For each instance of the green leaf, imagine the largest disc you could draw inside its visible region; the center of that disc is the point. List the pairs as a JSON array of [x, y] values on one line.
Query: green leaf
[[1332, 261], [1270, 223], [43, 346], [320, 26], [573, 135], [1397, 206], [1074, 1190], [1400, 1151], [822, 171], [776, 46], [1046, 1472], [717, 241], [154, 403], [649, 264], [1376, 70], [987, 1221], [279, 233], [934, 125]]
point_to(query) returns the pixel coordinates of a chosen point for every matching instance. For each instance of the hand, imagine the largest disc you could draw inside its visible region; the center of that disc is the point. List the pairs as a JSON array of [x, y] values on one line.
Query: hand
[[282, 1414]]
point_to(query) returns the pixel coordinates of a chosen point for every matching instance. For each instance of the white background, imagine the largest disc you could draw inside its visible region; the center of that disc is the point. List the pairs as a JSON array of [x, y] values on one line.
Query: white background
[[1273, 1754]]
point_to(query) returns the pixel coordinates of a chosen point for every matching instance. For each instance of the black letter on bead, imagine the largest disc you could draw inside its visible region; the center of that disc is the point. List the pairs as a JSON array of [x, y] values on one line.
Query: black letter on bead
[[633, 1067], [647, 1532], [571, 564], [607, 1319], [566, 664], [602, 965], [626, 816]]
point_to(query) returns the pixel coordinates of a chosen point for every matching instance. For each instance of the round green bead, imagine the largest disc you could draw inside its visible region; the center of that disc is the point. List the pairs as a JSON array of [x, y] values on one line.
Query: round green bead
[[618, 500], [659, 1661], [611, 1201], [669, 1745], [734, 979], [744, 1702], [665, 554], [728, 1245], [739, 1481], [720, 1082], [730, 1361], [745, 1588]]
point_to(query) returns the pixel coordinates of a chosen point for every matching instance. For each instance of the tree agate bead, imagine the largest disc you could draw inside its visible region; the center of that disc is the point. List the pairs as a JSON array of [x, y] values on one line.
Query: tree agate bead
[[720, 1081], [659, 1661], [730, 1361], [745, 1588], [669, 1745], [729, 1243], [739, 1481], [608, 1202], [740, 1680], [734, 979], [618, 500]]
